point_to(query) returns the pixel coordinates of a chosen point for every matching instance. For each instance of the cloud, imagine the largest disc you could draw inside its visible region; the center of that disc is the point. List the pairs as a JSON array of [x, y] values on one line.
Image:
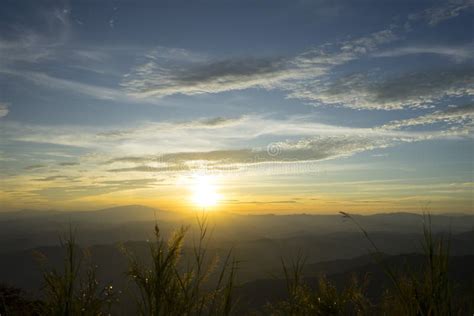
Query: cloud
[[4, 109], [154, 130], [43, 28], [54, 178], [76, 191], [159, 77], [27, 49], [48, 81], [195, 135], [239, 160], [412, 90], [68, 163], [155, 80], [164, 71], [259, 202], [130, 159], [316, 142], [278, 156], [148, 169], [369, 43], [461, 115], [219, 121], [88, 55], [130, 182], [34, 167], [150, 134], [448, 10], [314, 148], [420, 88], [309, 76], [172, 136], [458, 54], [314, 75]]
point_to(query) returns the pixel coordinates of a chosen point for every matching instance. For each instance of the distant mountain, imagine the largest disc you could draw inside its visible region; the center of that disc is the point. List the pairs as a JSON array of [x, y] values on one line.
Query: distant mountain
[[326, 237], [255, 294], [333, 245], [269, 224], [26, 214], [260, 258], [28, 228], [116, 214]]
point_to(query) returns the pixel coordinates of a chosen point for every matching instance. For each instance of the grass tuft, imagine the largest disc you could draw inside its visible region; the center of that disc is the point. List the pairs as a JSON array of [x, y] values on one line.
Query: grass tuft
[[165, 289]]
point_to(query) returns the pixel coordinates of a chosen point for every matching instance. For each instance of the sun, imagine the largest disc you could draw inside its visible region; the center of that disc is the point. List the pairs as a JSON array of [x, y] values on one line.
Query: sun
[[204, 191]]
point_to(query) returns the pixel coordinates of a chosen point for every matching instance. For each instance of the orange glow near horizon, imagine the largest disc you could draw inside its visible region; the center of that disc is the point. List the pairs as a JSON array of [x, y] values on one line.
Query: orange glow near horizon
[[204, 192]]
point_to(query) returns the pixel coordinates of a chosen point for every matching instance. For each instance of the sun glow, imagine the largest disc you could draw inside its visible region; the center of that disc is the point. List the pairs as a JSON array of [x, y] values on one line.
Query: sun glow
[[204, 191]]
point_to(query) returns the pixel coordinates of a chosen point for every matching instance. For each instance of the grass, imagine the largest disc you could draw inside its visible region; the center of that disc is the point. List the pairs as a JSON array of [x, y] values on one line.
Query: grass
[[74, 290], [325, 299], [14, 302], [165, 289], [424, 292], [205, 284]]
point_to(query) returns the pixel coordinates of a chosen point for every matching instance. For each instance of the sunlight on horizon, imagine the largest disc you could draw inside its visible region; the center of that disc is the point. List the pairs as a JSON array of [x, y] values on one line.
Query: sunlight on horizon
[[204, 191]]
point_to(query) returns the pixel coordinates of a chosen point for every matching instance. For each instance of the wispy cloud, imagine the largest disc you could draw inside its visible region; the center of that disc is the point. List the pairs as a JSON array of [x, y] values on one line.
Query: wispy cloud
[[458, 54], [278, 154], [309, 76], [460, 115], [155, 78], [70, 191], [47, 27], [29, 48], [53, 178], [3, 109], [362, 71], [409, 90], [211, 134], [196, 134], [445, 11], [34, 167], [68, 85], [68, 163], [238, 160]]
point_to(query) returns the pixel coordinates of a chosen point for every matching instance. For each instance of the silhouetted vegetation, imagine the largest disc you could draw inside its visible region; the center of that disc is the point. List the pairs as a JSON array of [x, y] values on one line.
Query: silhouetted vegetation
[[423, 291], [74, 290], [426, 291], [14, 302], [326, 299], [170, 284], [165, 290]]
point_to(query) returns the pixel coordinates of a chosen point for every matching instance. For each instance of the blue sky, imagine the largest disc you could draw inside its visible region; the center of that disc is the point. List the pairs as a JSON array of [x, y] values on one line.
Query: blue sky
[[288, 106]]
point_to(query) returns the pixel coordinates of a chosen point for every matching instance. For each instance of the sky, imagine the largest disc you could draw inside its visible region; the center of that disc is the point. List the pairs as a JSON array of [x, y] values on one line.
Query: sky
[[261, 106]]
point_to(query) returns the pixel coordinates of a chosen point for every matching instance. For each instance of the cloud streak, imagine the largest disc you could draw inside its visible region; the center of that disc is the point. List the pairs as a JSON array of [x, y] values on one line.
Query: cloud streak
[[155, 80], [461, 115], [46, 29], [458, 54], [159, 78], [448, 10], [237, 160], [4, 109], [409, 90], [308, 76], [48, 81]]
